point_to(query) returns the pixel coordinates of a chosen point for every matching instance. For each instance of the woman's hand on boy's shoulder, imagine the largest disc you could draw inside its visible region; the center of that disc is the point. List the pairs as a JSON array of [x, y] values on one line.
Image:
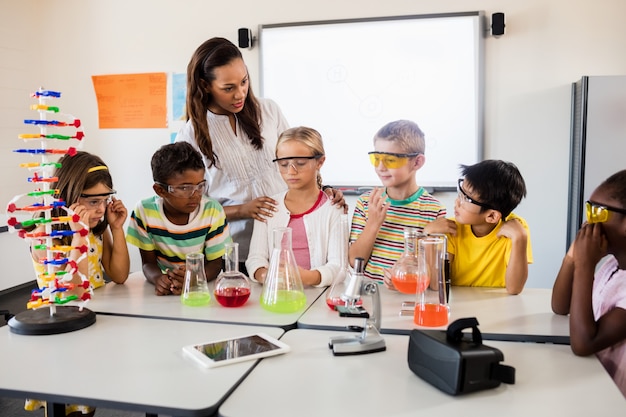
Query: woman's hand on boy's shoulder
[[441, 226]]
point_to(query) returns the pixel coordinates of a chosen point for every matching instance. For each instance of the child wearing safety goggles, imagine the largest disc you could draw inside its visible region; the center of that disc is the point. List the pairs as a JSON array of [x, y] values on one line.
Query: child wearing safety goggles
[[380, 215], [591, 284], [84, 183], [305, 208], [488, 244], [180, 219]]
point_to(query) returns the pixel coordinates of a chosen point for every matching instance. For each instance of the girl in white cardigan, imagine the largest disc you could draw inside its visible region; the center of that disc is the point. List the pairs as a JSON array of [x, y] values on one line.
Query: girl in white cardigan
[[305, 208]]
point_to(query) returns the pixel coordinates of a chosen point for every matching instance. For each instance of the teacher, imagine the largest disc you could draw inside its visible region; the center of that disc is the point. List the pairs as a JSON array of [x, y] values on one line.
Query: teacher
[[236, 134]]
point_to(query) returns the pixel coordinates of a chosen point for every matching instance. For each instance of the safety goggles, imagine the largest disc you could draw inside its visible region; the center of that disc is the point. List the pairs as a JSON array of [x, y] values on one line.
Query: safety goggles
[[184, 190], [391, 160], [465, 198], [296, 162], [599, 213], [93, 201]]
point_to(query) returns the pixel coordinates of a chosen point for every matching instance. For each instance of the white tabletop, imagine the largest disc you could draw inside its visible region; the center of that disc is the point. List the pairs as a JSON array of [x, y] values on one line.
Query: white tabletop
[[310, 381], [129, 363], [136, 297], [524, 317]]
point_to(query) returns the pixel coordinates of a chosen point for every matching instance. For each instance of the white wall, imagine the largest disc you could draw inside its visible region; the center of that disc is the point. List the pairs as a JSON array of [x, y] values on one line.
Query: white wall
[[528, 72]]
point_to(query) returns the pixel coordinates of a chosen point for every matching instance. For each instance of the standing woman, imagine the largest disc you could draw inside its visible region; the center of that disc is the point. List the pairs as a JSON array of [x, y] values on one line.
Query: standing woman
[[236, 134]]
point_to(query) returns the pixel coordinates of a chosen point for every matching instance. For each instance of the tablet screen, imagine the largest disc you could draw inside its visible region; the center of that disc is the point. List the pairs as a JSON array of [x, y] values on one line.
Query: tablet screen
[[236, 348]]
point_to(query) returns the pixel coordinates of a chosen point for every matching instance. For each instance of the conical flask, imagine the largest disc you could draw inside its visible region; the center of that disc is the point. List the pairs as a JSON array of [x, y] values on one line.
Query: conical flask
[[404, 273], [282, 290], [431, 304], [196, 289], [232, 287], [341, 280]]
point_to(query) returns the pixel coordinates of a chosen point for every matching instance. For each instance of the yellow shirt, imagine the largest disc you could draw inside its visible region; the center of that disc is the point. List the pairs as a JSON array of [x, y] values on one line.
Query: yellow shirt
[[482, 261]]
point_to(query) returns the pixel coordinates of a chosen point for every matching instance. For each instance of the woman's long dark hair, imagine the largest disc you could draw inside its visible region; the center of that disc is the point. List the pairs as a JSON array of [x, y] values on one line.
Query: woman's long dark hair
[[216, 52]]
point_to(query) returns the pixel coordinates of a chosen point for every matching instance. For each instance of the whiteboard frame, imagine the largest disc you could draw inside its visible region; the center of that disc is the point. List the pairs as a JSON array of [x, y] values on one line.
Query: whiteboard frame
[[332, 176]]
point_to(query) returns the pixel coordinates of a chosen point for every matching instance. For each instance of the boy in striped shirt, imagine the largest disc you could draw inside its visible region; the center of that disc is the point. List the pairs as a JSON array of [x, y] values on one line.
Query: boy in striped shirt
[[179, 220], [380, 215]]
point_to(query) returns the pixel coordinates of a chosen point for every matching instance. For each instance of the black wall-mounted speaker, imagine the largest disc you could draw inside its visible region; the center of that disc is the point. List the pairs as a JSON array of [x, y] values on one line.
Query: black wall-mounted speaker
[[245, 38], [497, 24]]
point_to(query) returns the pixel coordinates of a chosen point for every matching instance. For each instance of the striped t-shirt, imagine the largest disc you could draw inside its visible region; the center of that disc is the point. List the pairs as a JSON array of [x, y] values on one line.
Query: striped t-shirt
[[206, 232], [416, 211]]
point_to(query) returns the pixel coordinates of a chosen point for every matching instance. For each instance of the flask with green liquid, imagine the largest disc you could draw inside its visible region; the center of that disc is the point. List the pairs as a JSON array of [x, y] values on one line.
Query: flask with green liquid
[[282, 290]]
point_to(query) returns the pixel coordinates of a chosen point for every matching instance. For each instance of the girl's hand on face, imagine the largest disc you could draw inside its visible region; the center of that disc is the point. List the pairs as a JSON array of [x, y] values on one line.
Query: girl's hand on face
[[590, 244], [83, 213], [259, 209], [116, 213]]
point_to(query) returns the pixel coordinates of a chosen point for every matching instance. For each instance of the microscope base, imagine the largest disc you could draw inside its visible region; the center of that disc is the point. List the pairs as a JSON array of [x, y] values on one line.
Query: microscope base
[[356, 345]]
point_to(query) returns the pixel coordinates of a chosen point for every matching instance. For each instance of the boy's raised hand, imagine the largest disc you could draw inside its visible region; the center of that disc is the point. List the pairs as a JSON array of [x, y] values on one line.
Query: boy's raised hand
[[377, 207], [441, 226]]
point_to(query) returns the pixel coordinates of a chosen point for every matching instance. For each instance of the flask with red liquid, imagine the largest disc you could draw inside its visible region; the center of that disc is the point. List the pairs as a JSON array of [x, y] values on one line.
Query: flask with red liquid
[[431, 305], [338, 287], [232, 287], [404, 273]]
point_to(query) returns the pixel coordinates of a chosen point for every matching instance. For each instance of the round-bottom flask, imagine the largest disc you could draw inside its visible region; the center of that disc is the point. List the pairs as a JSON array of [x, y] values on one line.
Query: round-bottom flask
[[232, 287], [405, 274], [340, 282]]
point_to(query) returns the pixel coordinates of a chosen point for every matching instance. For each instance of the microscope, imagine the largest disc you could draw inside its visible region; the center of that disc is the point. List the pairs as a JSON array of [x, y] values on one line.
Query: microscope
[[369, 340]]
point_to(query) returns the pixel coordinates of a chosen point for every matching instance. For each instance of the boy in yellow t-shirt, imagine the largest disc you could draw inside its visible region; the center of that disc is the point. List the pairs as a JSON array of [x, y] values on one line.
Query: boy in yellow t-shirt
[[488, 245]]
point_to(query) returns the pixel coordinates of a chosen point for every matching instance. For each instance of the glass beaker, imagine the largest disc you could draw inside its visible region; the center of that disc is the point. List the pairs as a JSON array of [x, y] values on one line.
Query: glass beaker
[[341, 280], [196, 289], [431, 306], [282, 290], [404, 273], [232, 287]]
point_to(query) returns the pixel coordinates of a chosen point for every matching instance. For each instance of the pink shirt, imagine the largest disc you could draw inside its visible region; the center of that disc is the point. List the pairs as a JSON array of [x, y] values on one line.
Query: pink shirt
[[299, 241], [609, 292]]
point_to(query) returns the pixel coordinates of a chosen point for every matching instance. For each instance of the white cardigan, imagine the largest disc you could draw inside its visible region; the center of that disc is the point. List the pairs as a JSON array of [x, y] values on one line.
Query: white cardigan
[[323, 227]]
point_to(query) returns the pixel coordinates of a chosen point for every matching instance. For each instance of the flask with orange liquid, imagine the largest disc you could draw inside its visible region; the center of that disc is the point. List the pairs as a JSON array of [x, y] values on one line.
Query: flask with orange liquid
[[404, 273], [431, 306]]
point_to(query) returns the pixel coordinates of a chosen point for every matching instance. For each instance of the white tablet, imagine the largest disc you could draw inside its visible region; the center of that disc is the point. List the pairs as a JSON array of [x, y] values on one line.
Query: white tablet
[[238, 349]]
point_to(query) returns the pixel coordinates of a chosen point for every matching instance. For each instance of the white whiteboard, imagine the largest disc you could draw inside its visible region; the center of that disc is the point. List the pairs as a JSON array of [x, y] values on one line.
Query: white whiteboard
[[348, 78]]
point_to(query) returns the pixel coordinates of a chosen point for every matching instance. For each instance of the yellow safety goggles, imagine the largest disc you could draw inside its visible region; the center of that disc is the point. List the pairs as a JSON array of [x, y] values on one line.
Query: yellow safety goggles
[[599, 213], [391, 160]]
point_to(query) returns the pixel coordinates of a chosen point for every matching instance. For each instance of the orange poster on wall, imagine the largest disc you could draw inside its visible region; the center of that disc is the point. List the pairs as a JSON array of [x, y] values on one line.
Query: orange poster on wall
[[127, 101]]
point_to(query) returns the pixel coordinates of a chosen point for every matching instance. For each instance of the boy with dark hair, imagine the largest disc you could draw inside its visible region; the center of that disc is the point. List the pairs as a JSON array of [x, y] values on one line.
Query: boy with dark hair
[[179, 220], [488, 245]]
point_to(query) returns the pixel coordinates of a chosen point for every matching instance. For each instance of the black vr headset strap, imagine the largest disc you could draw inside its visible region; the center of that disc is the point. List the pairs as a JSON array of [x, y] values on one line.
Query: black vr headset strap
[[454, 334], [503, 373]]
